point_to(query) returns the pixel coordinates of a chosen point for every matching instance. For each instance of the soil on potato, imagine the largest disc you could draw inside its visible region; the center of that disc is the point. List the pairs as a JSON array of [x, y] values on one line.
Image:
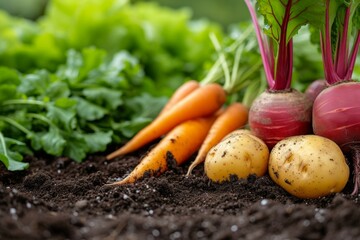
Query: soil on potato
[[57, 198]]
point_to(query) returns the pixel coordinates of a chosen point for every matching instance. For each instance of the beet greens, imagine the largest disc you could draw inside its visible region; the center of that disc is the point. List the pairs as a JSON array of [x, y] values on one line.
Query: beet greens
[[336, 111], [280, 111], [283, 20], [341, 28]]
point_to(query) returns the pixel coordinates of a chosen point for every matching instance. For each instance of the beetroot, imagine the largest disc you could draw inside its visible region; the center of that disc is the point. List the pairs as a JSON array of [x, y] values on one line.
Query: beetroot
[[337, 113], [336, 110], [293, 115], [280, 111], [315, 88]]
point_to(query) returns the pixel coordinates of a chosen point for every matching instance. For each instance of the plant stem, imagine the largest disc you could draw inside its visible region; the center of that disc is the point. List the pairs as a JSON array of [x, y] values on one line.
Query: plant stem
[[290, 66], [24, 101], [330, 73], [341, 62], [41, 118], [264, 49], [213, 73], [283, 74], [353, 57], [235, 68], [3, 144], [16, 124], [224, 64]]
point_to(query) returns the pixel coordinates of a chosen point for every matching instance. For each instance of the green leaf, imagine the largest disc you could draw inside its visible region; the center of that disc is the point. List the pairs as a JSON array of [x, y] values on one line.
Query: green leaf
[[145, 105], [89, 111], [11, 159], [62, 117], [35, 83], [98, 141], [53, 142], [130, 128], [291, 13], [16, 165], [76, 147], [35, 139], [356, 17], [73, 64], [65, 103], [7, 91], [92, 59], [9, 76], [58, 90], [105, 97]]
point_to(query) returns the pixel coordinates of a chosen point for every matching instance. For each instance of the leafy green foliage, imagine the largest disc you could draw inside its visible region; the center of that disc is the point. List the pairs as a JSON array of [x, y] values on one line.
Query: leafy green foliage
[[92, 73], [11, 158], [299, 13], [82, 107], [85, 74], [168, 44], [339, 38]]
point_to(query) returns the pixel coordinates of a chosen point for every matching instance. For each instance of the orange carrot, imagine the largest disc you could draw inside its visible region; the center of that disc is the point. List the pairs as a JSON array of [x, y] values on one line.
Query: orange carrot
[[202, 102], [178, 145], [234, 117], [184, 90]]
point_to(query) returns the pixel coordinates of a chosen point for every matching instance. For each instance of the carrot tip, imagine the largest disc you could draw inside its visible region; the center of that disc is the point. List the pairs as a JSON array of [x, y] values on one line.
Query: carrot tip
[[113, 155], [118, 183]]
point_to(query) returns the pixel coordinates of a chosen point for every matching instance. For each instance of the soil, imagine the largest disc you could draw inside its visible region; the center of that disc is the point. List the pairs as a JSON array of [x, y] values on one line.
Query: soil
[[57, 198]]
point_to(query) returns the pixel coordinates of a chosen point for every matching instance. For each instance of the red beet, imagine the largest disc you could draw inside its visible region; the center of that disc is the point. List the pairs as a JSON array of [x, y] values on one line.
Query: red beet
[[315, 88], [336, 113], [336, 110], [276, 115]]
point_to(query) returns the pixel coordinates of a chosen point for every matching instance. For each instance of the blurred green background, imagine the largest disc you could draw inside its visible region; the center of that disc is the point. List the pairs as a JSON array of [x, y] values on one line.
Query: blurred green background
[[225, 12]]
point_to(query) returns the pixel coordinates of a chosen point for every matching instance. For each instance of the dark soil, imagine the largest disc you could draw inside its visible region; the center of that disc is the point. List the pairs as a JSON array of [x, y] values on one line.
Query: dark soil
[[57, 198]]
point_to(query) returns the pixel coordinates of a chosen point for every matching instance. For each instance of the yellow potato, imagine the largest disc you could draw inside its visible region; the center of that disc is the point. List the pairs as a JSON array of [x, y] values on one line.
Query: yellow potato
[[239, 153], [308, 166]]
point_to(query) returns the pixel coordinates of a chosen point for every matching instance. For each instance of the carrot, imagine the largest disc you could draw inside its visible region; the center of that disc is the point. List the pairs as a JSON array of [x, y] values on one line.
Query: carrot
[[232, 118], [179, 144], [184, 90], [202, 102]]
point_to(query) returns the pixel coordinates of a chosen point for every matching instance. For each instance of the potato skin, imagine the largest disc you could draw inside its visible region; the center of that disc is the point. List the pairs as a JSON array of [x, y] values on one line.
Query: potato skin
[[308, 166], [239, 153]]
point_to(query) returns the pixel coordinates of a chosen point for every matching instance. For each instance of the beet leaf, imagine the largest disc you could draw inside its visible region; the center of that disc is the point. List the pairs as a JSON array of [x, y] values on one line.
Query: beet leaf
[[282, 21], [340, 39]]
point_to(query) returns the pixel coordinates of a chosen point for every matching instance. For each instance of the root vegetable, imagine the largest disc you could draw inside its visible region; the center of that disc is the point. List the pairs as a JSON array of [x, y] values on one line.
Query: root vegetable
[[281, 111], [315, 88], [274, 116], [178, 145], [180, 93], [336, 112], [232, 118], [202, 102], [240, 154], [308, 166]]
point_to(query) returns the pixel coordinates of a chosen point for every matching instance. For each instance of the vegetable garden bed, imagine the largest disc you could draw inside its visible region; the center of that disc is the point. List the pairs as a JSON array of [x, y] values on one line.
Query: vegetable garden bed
[[57, 198], [81, 90]]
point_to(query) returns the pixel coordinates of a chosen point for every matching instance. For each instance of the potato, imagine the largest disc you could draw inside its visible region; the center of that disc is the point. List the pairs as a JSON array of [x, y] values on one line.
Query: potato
[[240, 153], [308, 166]]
